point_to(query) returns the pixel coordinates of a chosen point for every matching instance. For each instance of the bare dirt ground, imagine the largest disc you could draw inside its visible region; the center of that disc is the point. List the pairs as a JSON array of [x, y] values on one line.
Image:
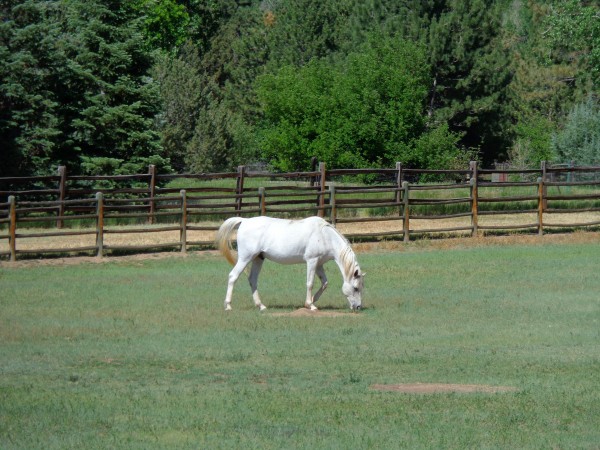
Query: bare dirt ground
[[435, 241], [433, 388]]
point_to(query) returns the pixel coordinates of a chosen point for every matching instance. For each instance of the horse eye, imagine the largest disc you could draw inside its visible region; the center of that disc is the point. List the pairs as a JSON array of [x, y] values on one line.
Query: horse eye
[[355, 289]]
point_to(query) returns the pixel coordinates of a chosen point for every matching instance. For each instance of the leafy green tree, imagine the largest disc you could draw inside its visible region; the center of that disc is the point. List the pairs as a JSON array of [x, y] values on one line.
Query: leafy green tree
[[367, 109], [579, 140], [166, 23], [574, 32]]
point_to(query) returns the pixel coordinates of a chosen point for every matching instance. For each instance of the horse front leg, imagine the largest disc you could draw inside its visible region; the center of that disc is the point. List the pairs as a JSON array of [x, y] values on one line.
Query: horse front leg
[[323, 278], [311, 267]]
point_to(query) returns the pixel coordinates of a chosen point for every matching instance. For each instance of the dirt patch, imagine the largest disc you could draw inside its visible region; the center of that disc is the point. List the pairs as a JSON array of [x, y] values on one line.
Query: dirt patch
[[437, 388], [305, 312], [424, 244]]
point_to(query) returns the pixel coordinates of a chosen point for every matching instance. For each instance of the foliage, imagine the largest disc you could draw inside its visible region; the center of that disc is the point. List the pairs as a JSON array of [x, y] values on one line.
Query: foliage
[[367, 108], [579, 140], [548, 80], [470, 71], [32, 63], [76, 86], [180, 91], [574, 31], [179, 81], [532, 143], [166, 23]]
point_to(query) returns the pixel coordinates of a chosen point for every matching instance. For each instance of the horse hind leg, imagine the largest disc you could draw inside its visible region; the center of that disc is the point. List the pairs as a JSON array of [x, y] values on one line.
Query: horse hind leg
[[233, 276], [253, 279]]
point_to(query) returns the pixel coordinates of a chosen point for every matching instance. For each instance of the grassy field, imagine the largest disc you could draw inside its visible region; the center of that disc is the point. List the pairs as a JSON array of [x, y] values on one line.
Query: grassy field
[[138, 353]]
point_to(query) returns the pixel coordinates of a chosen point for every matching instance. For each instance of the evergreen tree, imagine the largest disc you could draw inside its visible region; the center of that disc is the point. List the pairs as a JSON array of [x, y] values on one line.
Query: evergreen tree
[[116, 99], [548, 80], [227, 112], [180, 92], [31, 70], [470, 71], [75, 88]]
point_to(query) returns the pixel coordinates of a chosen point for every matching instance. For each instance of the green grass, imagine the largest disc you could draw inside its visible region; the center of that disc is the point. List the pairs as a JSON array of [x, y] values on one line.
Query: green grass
[[140, 354]]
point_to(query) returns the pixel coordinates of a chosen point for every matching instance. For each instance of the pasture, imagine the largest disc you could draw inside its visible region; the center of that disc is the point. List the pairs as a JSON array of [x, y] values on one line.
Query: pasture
[[139, 353]]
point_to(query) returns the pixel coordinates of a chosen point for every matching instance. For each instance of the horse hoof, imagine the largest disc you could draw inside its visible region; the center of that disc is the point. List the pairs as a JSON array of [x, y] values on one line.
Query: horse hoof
[[262, 307], [313, 308], [228, 308]]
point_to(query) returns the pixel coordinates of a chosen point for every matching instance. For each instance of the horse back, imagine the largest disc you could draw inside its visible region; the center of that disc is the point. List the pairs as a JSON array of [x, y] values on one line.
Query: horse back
[[284, 241]]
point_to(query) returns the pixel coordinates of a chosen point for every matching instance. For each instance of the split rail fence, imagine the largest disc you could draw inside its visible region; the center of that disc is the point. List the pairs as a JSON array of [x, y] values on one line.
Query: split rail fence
[[65, 206]]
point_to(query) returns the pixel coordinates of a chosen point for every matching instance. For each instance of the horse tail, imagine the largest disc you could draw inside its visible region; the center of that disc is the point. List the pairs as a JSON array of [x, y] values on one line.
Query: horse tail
[[223, 238]]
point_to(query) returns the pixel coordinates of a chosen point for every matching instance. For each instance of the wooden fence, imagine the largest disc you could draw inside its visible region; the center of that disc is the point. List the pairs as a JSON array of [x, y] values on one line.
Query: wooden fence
[[64, 206]]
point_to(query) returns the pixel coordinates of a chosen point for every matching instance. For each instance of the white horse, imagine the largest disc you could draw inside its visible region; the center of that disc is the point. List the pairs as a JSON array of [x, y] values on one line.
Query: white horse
[[310, 240]]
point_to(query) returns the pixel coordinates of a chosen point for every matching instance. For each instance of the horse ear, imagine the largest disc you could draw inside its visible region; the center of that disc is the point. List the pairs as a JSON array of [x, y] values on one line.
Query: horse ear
[[363, 274]]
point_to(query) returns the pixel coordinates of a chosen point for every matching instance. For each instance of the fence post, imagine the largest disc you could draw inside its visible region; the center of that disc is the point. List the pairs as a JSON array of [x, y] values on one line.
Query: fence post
[[99, 224], [62, 183], [399, 187], [474, 207], [544, 179], [183, 230], [406, 212], [12, 229], [541, 201], [333, 210], [322, 182], [239, 188], [313, 168], [262, 201], [152, 191], [474, 181]]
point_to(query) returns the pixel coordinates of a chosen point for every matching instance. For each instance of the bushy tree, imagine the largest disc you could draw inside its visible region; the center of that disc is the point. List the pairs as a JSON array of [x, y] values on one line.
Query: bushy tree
[[573, 27], [579, 140], [368, 109], [117, 100]]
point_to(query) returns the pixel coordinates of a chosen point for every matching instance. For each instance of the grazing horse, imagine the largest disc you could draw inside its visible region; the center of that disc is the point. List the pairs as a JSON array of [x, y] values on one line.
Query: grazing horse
[[311, 240]]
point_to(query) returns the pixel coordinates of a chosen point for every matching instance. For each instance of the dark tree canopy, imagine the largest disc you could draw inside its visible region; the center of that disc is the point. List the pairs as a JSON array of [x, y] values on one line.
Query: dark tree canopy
[[203, 85]]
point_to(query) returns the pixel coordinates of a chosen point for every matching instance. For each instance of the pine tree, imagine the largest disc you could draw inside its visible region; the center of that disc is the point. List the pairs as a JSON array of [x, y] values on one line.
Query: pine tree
[[470, 71], [116, 101], [31, 68], [75, 88]]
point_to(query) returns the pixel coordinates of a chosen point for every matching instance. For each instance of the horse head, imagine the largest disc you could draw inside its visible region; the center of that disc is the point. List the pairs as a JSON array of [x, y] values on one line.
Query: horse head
[[353, 287]]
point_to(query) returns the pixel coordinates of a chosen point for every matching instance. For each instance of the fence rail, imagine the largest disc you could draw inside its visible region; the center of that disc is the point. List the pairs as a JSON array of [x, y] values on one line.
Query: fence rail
[[332, 194]]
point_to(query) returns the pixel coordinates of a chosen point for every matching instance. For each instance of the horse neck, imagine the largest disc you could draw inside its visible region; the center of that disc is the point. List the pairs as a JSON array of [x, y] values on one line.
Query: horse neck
[[342, 253]]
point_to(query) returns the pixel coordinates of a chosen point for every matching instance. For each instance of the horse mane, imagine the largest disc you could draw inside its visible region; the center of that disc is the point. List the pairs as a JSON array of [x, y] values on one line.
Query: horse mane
[[347, 256]]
